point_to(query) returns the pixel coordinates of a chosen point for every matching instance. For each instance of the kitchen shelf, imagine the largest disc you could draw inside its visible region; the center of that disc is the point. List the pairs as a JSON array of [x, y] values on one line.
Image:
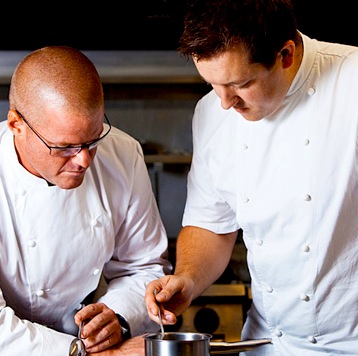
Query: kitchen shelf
[[168, 158], [123, 67], [227, 290]]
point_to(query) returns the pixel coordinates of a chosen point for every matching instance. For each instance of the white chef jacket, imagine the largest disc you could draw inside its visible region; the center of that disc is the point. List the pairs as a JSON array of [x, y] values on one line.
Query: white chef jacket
[[56, 243], [290, 182]]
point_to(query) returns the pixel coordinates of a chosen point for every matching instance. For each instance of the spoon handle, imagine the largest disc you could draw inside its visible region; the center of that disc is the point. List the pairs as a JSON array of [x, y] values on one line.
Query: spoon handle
[[159, 313]]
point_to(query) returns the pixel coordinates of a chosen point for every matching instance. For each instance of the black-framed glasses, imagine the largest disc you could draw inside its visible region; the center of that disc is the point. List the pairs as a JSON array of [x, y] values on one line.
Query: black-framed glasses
[[69, 151]]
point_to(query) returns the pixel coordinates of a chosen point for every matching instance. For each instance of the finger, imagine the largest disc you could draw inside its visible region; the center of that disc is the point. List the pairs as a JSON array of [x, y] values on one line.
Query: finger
[[88, 312], [104, 337], [170, 286], [168, 317], [106, 320], [164, 291], [150, 299]]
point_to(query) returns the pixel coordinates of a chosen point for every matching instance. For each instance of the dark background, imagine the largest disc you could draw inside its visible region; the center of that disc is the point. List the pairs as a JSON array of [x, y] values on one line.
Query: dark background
[[142, 25]]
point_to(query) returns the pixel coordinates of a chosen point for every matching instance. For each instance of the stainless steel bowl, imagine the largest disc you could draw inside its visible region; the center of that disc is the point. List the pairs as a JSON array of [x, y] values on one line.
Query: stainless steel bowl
[[177, 344]]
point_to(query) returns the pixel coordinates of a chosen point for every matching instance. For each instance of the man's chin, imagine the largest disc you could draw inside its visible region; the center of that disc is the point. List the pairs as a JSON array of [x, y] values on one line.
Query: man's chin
[[67, 183]]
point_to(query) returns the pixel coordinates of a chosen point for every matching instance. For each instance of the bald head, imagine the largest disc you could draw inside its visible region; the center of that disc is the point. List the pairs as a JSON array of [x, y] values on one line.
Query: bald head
[[56, 78]]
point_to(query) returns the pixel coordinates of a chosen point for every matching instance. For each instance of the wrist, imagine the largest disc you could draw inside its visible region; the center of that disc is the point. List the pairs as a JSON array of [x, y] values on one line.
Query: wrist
[[125, 328]]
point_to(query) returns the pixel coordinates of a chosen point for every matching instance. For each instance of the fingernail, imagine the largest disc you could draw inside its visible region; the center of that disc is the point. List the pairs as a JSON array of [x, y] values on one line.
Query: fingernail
[[169, 318]]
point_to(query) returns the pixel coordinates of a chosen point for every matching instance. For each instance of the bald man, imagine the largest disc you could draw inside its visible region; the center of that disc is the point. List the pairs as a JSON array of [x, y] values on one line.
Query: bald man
[[75, 203]]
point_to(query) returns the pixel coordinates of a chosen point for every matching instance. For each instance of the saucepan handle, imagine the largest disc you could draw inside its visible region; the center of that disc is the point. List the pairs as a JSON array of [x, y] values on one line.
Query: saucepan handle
[[219, 347]]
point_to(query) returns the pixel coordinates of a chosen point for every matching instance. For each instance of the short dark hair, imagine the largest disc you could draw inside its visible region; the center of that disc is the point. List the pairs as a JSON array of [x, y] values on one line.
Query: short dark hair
[[260, 26]]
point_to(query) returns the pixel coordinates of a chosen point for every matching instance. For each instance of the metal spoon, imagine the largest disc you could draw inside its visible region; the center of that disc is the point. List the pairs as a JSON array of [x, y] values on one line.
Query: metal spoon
[[159, 314]]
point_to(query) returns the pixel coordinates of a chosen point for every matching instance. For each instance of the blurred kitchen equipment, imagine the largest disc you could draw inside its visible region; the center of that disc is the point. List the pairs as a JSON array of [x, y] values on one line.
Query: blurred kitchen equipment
[[220, 311]]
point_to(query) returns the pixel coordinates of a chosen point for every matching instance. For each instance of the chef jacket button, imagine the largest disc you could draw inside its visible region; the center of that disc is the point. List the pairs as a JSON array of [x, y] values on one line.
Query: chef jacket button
[[245, 147], [306, 142], [80, 306], [40, 293], [278, 332], [305, 248], [304, 297], [245, 199], [31, 243], [311, 91], [312, 339], [269, 289], [259, 242], [96, 271], [308, 197]]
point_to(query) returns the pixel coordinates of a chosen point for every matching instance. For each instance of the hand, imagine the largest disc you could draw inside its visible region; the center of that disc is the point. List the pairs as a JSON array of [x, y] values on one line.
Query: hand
[[175, 294], [101, 329], [132, 347]]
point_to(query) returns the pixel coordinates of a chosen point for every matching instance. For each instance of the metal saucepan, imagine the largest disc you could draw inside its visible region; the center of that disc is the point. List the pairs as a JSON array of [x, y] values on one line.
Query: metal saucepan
[[194, 344]]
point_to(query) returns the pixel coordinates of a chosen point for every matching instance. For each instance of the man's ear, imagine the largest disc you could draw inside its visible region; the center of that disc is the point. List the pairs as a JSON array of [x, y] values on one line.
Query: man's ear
[[14, 122], [287, 53]]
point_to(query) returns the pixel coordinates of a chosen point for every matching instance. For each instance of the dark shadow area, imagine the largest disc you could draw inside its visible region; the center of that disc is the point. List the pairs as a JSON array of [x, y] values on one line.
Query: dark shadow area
[[103, 25], [143, 24]]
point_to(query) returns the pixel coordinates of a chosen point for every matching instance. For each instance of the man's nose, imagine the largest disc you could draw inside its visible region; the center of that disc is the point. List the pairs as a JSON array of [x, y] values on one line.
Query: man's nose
[[227, 103], [84, 157], [228, 98]]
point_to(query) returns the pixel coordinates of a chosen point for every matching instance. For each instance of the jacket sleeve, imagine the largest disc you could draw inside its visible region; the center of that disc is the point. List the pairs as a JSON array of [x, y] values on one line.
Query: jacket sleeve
[[21, 337]]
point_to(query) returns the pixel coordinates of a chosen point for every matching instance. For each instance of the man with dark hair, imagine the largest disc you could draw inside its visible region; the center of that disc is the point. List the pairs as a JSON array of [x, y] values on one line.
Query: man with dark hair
[[274, 154]]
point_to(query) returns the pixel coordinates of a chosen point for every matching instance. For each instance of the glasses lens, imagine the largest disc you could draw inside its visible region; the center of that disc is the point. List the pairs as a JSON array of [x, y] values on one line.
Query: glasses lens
[[95, 144], [73, 151], [64, 152]]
